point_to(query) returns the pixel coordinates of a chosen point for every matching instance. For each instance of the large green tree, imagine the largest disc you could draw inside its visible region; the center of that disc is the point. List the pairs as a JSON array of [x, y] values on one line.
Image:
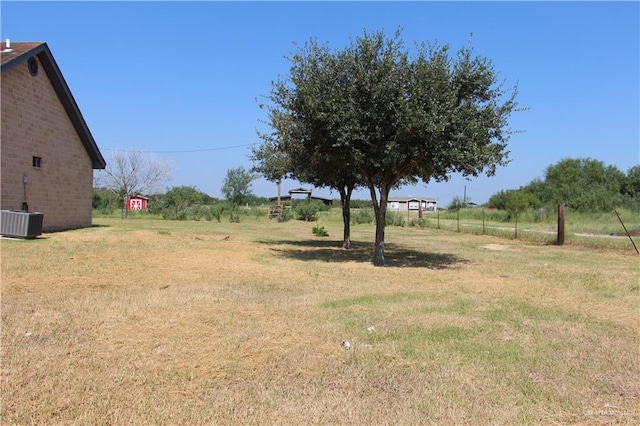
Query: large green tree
[[104, 199], [514, 199], [284, 151], [274, 164], [631, 188], [270, 162], [390, 116], [236, 186], [582, 184], [180, 198]]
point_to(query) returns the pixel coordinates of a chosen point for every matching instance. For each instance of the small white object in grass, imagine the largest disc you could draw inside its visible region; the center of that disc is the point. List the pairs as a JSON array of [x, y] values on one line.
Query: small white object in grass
[[27, 334], [346, 344], [371, 329]]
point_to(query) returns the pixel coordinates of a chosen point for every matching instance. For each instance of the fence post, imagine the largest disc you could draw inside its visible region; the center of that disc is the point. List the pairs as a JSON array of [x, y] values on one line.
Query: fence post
[[483, 221], [625, 230], [516, 224], [458, 219], [560, 240]]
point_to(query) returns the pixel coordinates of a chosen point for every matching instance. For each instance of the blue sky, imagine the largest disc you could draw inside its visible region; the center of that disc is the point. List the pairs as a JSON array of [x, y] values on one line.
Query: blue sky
[[183, 79]]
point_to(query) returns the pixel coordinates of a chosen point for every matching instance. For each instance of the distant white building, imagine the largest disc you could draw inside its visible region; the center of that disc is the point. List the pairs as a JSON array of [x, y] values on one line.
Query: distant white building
[[412, 204]]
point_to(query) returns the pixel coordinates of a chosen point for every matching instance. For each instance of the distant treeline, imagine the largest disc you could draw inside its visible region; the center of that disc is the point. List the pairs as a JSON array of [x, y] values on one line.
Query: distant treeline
[[180, 202], [177, 201], [583, 185], [189, 203]]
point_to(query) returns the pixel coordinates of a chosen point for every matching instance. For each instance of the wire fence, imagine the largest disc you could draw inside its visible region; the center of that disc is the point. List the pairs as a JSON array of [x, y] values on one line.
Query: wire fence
[[598, 230]]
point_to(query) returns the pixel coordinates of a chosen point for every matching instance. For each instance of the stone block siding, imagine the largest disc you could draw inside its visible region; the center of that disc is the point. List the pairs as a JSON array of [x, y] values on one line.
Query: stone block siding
[[35, 124]]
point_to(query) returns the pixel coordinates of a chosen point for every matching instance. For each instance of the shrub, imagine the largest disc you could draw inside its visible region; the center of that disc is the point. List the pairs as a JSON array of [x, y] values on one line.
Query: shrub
[[320, 231], [196, 212], [308, 211], [256, 211], [234, 215], [285, 216], [207, 213], [363, 215], [394, 219], [361, 204], [419, 222], [168, 214], [215, 212]]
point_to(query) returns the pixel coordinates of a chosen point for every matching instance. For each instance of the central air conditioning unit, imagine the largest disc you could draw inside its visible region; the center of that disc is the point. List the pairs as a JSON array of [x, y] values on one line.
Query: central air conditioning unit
[[20, 224]]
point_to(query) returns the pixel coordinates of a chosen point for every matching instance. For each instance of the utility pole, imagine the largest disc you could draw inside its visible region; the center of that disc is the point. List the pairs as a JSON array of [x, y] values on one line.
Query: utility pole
[[464, 199]]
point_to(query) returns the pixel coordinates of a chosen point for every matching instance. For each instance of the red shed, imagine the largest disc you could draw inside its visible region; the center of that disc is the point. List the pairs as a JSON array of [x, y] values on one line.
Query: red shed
[[137, 202]]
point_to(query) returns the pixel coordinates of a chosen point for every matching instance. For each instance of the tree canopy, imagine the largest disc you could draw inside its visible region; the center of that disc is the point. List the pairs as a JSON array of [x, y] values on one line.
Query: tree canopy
[[582, 184], [236, 186], [282, 154], [377, 115], [180, 198], [269, 161]]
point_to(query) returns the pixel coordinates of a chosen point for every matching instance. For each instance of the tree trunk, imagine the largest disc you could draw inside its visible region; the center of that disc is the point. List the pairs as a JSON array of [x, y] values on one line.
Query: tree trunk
[[345, 202], [380, 209], [125, 208], [279, 190]]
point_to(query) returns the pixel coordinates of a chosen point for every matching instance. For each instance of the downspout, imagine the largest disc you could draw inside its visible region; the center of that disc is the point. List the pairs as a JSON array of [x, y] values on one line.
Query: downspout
[[25, 205]]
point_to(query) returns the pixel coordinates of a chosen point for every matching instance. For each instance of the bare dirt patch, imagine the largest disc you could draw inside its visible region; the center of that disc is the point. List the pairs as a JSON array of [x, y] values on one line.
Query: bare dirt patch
[[498, 247]]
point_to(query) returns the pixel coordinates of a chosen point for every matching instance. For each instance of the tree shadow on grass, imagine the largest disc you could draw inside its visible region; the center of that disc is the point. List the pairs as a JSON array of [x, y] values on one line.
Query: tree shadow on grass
[[100, 225], [362, 252]]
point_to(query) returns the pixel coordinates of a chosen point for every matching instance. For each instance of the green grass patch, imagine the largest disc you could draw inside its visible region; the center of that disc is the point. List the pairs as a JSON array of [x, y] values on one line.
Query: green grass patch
[[372, 299]]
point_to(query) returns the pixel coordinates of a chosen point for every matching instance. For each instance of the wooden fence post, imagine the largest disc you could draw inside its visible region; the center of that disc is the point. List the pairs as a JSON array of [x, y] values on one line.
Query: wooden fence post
[[560, 240], [625, 230]]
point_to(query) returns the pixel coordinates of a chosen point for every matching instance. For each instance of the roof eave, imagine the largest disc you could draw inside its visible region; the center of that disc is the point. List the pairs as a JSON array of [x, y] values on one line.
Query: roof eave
[[66, 99], [70, 105], [22, 57]]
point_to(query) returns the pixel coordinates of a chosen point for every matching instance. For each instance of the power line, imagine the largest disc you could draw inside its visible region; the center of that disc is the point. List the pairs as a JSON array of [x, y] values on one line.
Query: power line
[[183, 150]]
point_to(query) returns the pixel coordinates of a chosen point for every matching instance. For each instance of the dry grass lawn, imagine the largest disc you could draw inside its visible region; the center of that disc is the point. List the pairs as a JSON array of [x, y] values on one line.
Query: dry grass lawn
[[158, 322]]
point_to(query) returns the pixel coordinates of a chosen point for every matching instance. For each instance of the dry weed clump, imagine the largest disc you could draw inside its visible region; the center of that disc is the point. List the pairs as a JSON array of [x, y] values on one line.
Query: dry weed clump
[[163, 322]]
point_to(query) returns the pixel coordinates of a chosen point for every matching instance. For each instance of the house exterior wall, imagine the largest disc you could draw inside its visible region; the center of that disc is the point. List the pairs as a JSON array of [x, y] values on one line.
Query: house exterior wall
[[428, 206], [35, 124], [397, 206]]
